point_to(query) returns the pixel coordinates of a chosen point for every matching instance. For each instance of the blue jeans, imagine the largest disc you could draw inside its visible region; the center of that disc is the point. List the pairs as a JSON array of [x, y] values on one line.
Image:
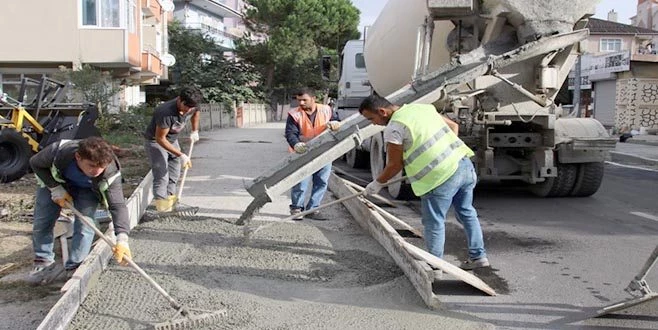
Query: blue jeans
[[320, 181], [46, 213], [458, 192]]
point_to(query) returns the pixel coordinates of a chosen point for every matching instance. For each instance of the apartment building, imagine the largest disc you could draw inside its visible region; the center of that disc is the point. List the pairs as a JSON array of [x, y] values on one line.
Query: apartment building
[[126, 38], [619, 73], [219, 19]]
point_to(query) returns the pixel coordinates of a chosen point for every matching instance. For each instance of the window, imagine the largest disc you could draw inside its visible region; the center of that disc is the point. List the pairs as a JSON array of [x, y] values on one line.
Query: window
[[103, 13], [610, 45], [359, 61]]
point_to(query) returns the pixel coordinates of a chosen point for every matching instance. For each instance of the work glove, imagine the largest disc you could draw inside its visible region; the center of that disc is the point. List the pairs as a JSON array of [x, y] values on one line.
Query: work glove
[[185, 161], [60, 196], [300, 147], [194, 136], [373, 188], [122, 249], [333, 125]]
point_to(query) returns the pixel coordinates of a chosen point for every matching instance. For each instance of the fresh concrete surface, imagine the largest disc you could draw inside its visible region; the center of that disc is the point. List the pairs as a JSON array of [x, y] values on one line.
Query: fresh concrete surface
[[305, 275]]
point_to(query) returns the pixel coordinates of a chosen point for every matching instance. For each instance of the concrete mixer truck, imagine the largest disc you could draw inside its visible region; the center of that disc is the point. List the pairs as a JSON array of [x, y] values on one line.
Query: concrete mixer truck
[[495, 67]]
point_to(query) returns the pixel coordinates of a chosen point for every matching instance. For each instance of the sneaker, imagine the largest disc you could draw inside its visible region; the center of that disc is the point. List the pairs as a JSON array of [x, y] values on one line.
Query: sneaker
[[296, 211], [43, 274], [471, 264], [317, 215]]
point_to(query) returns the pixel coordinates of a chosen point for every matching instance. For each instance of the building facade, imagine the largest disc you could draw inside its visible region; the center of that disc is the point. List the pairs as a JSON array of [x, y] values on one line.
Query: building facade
[[125, 38], [619, 72], [218, 19]]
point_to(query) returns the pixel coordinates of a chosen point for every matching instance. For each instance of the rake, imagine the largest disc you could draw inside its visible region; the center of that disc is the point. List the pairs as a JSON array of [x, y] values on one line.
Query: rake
[[179, 210], [247, 230], [189, 320], [638, 288]]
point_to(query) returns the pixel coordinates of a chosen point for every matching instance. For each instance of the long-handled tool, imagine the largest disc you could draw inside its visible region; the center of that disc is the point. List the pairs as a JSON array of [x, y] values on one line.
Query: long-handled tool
[[637, 285], [178, 209], [248, 230], [189, 320]]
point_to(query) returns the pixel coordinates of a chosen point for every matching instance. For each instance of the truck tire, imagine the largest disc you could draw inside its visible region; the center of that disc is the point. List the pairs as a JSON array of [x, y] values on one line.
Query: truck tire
[[588, 179], [377, 155], [400, 190], [15, 155], [559, 186], [357, 158]]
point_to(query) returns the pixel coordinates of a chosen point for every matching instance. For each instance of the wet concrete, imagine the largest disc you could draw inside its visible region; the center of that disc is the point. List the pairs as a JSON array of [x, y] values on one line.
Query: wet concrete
[[307, 274]]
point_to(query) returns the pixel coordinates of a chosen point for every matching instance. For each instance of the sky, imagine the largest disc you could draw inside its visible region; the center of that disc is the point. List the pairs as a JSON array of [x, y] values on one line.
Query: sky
[[625, 9]]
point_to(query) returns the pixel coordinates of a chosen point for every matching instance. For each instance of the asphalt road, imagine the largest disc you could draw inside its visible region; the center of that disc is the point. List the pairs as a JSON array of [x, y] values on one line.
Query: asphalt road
[[555, 262]]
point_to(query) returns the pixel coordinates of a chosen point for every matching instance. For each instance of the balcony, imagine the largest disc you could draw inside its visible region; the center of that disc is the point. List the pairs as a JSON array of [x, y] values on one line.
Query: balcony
[[217, 7], [645, 55]]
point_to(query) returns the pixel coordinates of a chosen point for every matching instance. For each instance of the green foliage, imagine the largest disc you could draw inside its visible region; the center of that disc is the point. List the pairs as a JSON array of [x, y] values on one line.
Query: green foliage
[[296, 34], [90, 85], [200, 62], [126, 128]]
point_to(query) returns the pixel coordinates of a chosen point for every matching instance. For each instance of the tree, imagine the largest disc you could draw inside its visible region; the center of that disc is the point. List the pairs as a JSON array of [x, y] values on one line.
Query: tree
[[200, 62], [296, 34], [90, 85]]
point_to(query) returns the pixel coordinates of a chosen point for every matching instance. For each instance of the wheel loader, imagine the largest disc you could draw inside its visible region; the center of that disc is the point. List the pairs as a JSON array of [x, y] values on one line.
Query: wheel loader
[[36, 118]]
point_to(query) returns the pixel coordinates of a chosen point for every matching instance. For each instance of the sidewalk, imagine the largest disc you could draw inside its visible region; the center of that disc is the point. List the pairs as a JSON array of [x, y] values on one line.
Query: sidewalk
[[638, 150], [295, 275]]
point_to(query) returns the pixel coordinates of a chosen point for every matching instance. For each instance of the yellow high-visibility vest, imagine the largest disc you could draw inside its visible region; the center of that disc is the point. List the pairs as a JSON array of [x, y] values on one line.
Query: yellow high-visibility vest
[[436, 150]]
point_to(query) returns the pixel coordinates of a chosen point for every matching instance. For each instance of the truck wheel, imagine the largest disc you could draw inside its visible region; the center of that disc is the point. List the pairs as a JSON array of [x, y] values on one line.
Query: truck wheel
[[588, 180], [15, 155], [559, 186], [377, 155], [401, 191], [357, 158]]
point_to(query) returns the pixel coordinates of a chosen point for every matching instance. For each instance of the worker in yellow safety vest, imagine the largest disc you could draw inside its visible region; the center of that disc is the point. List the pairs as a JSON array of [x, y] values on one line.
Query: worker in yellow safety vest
[[437, 164], [304, 123]]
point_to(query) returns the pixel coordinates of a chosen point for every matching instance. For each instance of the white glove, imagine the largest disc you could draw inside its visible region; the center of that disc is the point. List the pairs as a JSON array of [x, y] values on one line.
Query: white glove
[[333, 125], [373, 188], [194, 136], [185, 161], [300, 147], [60, 196]]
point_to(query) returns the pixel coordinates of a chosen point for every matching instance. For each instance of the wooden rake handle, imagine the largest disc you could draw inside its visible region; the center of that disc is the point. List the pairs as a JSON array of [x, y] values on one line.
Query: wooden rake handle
[[182, 180], [340, 200], [90, 223]]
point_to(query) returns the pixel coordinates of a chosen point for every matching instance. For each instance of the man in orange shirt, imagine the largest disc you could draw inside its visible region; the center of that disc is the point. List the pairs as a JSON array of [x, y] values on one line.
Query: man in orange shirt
[[304, 123]]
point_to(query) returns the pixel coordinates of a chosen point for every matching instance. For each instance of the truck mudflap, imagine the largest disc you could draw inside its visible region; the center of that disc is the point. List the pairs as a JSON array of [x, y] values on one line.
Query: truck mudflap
[[582, 140]]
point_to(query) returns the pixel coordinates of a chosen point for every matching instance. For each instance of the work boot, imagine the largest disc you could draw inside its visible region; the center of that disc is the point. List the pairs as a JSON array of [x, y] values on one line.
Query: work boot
[[164, 205], [317, 215], [45, 273], [296, 211], [471, 264]]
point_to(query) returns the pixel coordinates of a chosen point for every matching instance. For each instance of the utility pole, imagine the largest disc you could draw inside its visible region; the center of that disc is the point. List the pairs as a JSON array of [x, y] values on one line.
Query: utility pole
[[576, 87]]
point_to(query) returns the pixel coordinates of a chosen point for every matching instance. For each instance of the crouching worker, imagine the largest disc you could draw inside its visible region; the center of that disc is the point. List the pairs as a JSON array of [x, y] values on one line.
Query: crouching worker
[[84, 173]]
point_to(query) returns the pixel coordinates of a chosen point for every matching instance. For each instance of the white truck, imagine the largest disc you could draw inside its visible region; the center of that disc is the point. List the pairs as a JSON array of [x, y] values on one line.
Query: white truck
[[495, 67]]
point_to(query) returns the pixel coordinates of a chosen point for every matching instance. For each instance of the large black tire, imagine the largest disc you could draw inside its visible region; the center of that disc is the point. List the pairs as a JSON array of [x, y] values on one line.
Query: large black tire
[[357, 158], [15, 155], [588, 180], [400, 190], [559, 186]]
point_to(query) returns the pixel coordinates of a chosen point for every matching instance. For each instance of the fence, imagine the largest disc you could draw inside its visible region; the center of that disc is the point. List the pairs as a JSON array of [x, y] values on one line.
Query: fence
[[214, 116]]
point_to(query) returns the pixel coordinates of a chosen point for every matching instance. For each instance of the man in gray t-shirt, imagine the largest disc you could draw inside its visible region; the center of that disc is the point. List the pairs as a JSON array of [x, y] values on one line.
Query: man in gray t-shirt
[[162, 145]]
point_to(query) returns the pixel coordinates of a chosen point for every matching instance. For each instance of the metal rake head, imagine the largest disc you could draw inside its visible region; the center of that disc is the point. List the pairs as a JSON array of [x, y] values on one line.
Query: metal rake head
[[192, 321]]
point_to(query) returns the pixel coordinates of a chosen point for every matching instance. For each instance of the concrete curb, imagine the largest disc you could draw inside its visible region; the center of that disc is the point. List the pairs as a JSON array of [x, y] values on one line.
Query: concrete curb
[[621, 157], [76, 289], [642, 142]]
